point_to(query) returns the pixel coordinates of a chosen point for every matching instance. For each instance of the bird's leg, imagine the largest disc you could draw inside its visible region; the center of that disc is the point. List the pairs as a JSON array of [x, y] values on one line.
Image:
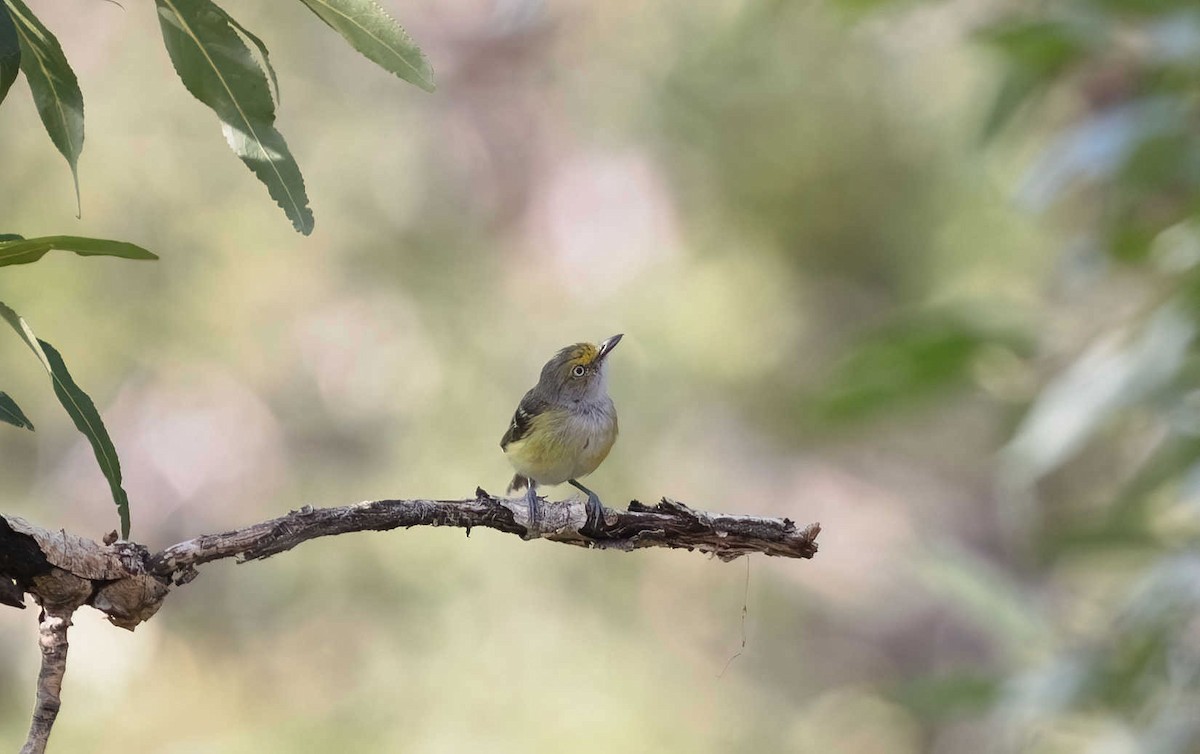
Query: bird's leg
[[535, 515], [595, 511]]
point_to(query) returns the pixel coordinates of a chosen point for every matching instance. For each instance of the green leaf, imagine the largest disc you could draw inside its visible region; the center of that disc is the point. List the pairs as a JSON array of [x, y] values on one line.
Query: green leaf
[[1098, 149], [990, 597], [1036, 53], [1107, 378], [1042, 47], [370, 30], [949, 695], [914, 358], [81, 409], [1017, 88], [53, 84], [10, 52], [10, 412], [218, 68], [264, 58], [24, 251]]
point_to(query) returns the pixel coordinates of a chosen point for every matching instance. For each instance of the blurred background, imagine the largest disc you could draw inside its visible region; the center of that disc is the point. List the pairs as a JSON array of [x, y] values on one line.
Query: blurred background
[[923, 272]]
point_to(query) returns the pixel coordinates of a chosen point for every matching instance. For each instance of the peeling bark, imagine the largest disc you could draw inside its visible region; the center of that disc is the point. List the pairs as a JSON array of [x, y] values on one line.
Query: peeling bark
[[128, 583]]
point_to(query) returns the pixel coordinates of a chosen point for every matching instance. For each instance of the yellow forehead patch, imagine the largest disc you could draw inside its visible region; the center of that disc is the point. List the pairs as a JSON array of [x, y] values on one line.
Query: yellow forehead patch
[[582, 353]]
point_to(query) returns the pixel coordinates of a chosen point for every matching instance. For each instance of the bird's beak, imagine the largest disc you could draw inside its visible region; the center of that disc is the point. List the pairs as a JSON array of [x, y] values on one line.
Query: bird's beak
[[609, 345]]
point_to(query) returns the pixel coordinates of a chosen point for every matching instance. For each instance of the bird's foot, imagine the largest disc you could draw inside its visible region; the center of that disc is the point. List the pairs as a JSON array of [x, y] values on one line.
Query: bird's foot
[[595, 511], [533, 529], [595, 516]]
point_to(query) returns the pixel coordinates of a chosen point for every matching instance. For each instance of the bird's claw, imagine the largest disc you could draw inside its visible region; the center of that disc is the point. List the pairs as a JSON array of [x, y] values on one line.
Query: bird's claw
[[595, 517], [533, 529]]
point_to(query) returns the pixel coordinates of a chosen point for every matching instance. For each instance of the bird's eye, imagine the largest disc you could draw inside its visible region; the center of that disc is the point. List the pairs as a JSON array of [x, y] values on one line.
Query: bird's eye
[[578, 371]]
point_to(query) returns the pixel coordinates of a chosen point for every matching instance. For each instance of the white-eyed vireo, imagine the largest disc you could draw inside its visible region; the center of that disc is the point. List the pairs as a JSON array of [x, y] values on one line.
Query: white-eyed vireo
[[564, 426]]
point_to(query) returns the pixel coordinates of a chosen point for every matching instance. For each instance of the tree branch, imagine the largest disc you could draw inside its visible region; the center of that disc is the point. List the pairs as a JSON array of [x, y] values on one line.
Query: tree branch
[[52, 638], [669, 524], [128, 583]]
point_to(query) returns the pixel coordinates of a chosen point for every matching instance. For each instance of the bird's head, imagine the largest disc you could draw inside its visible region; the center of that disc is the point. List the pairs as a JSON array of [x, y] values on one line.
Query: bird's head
[[578, 372]]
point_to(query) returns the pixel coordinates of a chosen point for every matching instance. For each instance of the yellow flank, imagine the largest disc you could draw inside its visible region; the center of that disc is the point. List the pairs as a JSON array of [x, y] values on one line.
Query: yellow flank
[[561, 446]]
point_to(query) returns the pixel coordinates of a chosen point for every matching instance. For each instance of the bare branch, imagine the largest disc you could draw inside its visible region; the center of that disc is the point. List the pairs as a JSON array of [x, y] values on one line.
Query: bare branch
[[669, 524], [128, 583], [52, 638]]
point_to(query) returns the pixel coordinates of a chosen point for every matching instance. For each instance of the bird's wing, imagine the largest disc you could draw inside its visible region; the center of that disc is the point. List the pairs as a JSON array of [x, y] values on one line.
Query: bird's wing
[[522, 420]]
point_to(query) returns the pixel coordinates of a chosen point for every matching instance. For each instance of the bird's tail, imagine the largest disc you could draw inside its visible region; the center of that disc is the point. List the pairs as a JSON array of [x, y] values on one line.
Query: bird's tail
[[517, 484]]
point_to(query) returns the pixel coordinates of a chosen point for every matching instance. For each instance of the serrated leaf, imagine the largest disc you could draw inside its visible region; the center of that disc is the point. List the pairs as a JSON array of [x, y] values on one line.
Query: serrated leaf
[[53, 84], [11, 413], [218, 69], [370, 30], [10, 52], [264, 58], [24, 251], [81, 410]]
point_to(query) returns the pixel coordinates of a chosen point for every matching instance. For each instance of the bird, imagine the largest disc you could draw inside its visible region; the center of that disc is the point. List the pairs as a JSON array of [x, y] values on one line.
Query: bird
[[564, 427]]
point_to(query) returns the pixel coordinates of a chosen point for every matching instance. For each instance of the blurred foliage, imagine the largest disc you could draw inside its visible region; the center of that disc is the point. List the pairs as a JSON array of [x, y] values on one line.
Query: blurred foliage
[[827, 176], [1096, 472], [910, 359]]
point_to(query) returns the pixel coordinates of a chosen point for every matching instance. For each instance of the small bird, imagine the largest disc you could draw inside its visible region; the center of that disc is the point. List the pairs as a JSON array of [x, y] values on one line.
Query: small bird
[[564, 426]]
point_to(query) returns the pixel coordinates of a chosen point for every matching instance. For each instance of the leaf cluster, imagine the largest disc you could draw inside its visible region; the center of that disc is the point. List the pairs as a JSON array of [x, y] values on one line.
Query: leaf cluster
[[227, 68], [223, 64], [77, 403]]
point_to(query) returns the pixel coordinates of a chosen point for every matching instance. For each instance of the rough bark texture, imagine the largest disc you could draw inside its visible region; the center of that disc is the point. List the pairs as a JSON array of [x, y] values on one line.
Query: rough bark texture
[[128, 583], [668, 524], [52, 638]]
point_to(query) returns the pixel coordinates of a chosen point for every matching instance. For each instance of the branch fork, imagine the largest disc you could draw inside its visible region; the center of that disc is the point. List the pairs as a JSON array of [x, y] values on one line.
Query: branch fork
[[128, 583]]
